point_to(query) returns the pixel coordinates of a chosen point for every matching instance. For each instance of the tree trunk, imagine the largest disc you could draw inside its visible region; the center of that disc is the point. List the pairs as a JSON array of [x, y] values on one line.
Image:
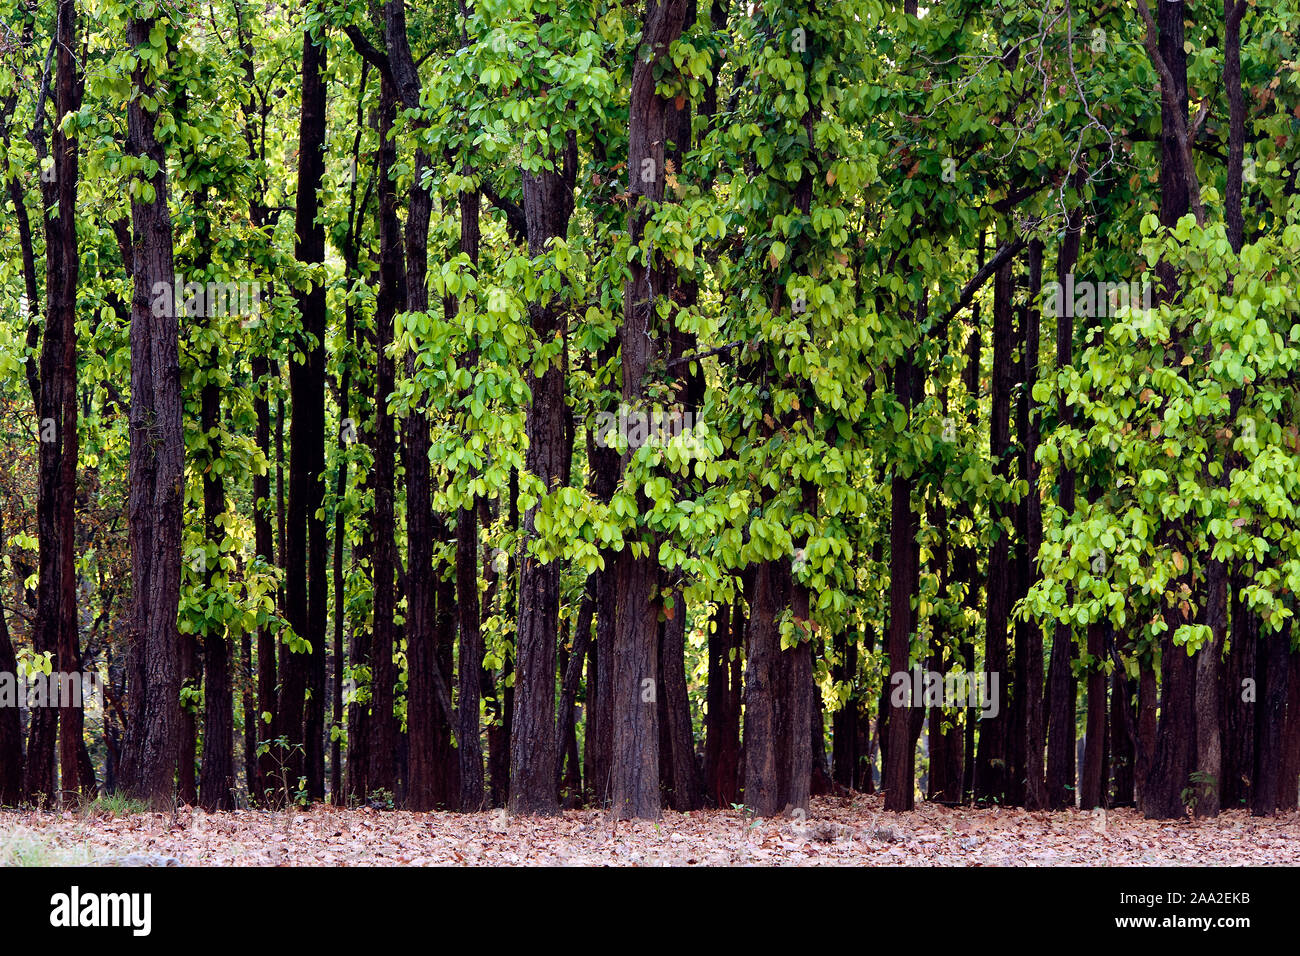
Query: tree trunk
[[534, 760], [1029, 642], [1061, 691], [306, 546], [157, 460], [991, 759], [1092, 787], [899, 769], [56, 614], [722, 718], [11, 728], [217, 775], [264, 541], [1237, 708], [1272, 673], [383, 744]]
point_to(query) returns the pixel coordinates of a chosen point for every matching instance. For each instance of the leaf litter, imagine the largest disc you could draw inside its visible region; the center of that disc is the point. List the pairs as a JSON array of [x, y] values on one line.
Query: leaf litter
[[837, 831]]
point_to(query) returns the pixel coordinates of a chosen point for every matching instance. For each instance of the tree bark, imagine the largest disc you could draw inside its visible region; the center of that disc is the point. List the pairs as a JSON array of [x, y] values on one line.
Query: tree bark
[[157, 471], [534, 760], [991, 759]]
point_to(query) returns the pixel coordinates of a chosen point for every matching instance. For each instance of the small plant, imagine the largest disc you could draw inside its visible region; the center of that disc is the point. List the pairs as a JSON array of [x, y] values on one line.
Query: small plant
[[112, 805], [1203, 785], [281, 751]]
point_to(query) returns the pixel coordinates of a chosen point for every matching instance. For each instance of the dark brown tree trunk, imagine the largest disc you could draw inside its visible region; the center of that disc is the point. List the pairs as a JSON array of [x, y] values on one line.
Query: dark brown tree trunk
[[422, 721], [685, 792], [603, 470], [764, 687], [383, 743], [1121, 738], [264, 541], [190, 664], [157, 460], [347, 435], [1029, 640], [302, 674], [1061, 690], [248, 702], [11, 728], [635, 758], [444, 623], [1174, 757], [1209, 672], [898, 778], [1146, 726], [846, 757], [469, 737], [991, 759], [1288, 791], [501, 705], [217, 775], [1237, 707], [534, 760], [56, 603], [1092, 785], [1272, 679], [722, 717], [944, 783]]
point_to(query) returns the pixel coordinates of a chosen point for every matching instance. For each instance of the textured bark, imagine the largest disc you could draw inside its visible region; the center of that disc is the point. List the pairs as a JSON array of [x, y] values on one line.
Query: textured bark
[[1209, 670], [264, 541], [56, 603], [217, 775], [351, 257], [766, 723], [157, 465], [383, 743], [1092, 784], [1272, 680], [991, 758], [944, 778], [1237, 713], [1061, 692], [190, 665], [1146, 729], [1123, 732], [548, 204], [899, 766], [422, 710], [1288, 789], [302, 721], [1174, 757], [469, 737], [685, 789], [966, 560], [635, 758], [722, 718], [11, 730], [1029, 634]]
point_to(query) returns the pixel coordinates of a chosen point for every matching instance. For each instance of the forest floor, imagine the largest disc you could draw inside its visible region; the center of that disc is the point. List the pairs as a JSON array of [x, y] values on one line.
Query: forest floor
[[838, 831]]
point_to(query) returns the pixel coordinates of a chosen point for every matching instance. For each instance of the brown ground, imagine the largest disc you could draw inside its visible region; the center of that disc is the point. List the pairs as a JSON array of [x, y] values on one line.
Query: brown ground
[[839, 831]]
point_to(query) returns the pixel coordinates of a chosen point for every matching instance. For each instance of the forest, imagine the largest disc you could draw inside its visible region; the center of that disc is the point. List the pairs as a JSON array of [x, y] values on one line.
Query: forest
[[650, 407]]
